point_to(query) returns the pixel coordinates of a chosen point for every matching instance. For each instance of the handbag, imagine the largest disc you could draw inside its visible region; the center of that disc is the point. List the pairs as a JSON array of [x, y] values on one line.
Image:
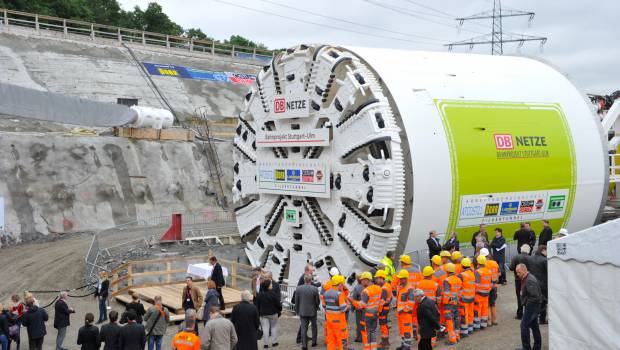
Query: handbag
[[259, 332], [14, 331]]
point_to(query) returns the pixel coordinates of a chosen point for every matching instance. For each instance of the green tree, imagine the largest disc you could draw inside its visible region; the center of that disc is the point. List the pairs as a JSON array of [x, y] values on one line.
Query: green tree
[[197, 34], [153, 19], [241, 41]]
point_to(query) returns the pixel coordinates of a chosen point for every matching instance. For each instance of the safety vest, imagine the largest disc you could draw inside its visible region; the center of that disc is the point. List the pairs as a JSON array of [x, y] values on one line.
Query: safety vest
[[186, 341], [440, 275], [371, 300], [469, 286], [458, 268], [328, 286], [386, 293], [494, 268], [389, 268], [335, 305], [452, 286], [484, 281], [404, 299], [430, 288], [414, 276]]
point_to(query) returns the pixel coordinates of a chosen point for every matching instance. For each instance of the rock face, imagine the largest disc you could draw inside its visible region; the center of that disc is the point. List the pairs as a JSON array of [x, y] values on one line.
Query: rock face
[[52, 183], [57, 184]]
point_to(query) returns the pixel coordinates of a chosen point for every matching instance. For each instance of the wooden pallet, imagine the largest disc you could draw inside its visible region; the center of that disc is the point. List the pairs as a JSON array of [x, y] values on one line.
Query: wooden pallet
[[126, 299], [171, 295], [173, 134]]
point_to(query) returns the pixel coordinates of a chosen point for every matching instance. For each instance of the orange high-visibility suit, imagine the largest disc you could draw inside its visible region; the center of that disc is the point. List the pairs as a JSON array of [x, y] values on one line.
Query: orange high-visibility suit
[[440, 275], [327, 286], [432, 291], [415, 276], [404, 309], [370, 304], [468, 294], [335, 321], [483, 278], [386, 298], [451, 293], [458, 268]]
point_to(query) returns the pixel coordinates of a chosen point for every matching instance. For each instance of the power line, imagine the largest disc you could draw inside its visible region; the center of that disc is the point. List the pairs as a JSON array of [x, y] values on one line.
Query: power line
[[323, 25], [404, 11], [444, 14], [351, 22]]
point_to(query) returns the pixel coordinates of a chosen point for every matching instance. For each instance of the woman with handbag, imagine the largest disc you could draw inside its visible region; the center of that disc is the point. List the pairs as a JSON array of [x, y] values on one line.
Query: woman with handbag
[[15, 322], [247, 324], [269, 308]]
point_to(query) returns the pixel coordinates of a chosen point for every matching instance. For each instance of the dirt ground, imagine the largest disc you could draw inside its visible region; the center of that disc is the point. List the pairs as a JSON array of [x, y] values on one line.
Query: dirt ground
[[59, 264]]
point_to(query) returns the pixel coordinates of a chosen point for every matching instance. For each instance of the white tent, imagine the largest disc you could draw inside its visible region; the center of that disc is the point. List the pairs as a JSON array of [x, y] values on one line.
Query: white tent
[[584, 289]]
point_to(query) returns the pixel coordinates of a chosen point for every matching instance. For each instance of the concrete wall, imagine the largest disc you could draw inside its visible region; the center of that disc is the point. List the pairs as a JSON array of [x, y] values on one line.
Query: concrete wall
[[106, 72], [61, 184]]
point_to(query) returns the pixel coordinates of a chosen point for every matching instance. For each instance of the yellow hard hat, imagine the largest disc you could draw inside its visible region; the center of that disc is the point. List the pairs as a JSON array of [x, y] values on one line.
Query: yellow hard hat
[[445, 253], [405, 259], [450, 267], [366, 275], [436, 259], [337, 280], [466, 262], [403, 274], [427, 271], [481, 260], [380, 274], [456, 255]]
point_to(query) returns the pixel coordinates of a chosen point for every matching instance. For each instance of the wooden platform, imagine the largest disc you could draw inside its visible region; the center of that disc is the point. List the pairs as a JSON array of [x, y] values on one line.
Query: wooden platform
[[174, 134], [171, 296]]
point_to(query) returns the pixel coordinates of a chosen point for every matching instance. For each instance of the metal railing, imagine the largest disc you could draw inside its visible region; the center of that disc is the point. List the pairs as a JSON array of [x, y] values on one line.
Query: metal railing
[[140, 234], [67, 27]]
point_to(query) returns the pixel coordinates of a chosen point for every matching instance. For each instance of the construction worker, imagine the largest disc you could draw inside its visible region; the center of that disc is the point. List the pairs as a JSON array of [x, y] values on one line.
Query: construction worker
[[327, 286], [493, 266], [370, 303], [335, 319], [404, 309], [483, 278], [431, 290], [414, 277], [386, 298], [439, 276], [468, 294], [456, 260], [451, 294], [388, 262], [445, 257]]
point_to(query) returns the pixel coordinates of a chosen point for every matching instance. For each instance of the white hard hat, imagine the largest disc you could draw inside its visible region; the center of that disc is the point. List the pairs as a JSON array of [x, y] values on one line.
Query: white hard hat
[[334, 271], [484, 252], [563, 231]]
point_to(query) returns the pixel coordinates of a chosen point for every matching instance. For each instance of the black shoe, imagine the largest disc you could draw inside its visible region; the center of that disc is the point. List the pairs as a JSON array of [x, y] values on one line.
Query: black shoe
[[314, 345], [357, 340], [518, 317], [543, 322], [265, 346], [274, 345], [298, 341], [304, 348]]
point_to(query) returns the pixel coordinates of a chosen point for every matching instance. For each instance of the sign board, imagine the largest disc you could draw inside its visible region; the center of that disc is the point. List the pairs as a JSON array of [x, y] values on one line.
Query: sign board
[[305, 177], [169, 70], [294, 105], [291, 217], [293, 138]]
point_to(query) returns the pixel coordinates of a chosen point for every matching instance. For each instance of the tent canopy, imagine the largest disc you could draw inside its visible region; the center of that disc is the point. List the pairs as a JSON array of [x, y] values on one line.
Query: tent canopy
[[598, 244]]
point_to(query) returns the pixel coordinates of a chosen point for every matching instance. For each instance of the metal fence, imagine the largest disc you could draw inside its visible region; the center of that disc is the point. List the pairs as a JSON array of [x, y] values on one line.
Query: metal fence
[[139, 235], [72, 28]]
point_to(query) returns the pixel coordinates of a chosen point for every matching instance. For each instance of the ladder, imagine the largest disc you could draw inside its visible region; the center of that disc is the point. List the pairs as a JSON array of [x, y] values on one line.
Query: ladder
[[214, 166]]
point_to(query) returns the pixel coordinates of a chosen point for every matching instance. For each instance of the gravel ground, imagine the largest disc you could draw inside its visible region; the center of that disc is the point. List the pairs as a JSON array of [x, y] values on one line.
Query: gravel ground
[[59, 264]]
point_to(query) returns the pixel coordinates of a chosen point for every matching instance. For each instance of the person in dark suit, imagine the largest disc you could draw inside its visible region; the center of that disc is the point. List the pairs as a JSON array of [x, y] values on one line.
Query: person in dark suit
[[132, 335], [546, 234], [101, 293], [88, 335], [306, 305], [34, 319], [452, 243], [110, 332], [428, 320], [217, 276], [482, 233], [135, 306], [61, 319], [244, 317], [434, 247]]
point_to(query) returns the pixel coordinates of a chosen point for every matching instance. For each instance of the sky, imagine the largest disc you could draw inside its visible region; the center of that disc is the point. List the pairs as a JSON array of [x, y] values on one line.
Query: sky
[[583, 39]]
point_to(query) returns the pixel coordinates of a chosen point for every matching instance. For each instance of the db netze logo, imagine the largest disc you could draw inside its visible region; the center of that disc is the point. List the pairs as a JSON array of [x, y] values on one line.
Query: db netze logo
[[279, 105], [503, 141]]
